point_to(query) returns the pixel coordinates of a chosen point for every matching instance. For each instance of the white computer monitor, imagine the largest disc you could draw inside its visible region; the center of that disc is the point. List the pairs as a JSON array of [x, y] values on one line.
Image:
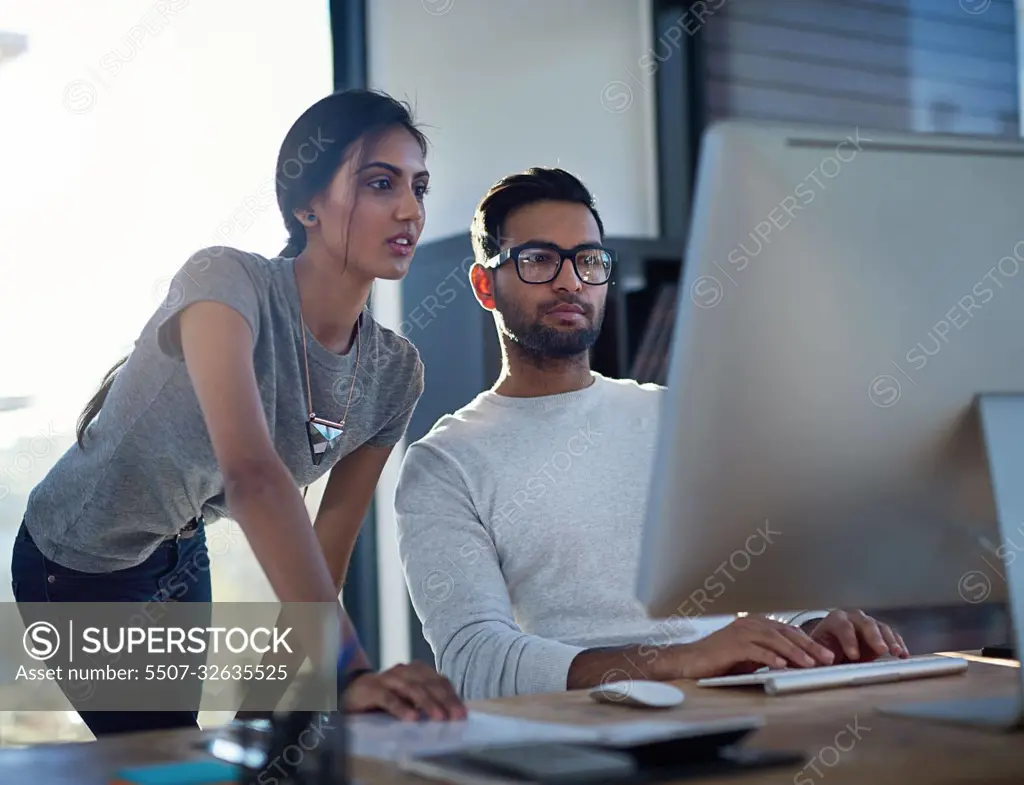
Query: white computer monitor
[[846, 297]]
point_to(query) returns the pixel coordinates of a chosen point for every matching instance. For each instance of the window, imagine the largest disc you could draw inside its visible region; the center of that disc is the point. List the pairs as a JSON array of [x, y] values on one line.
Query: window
[[132, 133]]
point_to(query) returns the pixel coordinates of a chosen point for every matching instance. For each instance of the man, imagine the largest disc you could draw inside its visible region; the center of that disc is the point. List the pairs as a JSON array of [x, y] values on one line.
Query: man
[[520, 515]]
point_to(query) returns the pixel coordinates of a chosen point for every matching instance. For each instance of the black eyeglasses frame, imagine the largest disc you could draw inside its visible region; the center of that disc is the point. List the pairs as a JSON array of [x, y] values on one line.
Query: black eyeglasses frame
[[512, 254]]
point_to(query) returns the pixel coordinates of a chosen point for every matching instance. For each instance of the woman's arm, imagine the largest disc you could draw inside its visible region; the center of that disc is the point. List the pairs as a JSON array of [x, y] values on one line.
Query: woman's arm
[[217, 345], [406, 690], [345, 502]]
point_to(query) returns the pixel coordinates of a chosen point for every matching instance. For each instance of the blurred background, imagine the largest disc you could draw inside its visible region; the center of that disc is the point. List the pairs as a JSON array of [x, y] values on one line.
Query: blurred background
[[133, 132]]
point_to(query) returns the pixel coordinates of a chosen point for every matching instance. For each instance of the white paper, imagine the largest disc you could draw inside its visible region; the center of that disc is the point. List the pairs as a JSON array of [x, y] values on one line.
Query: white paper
[[385, 738], [641, 731]]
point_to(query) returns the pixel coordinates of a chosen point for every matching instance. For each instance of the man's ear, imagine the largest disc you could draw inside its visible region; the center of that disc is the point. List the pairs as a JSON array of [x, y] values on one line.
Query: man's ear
[[482, 281]]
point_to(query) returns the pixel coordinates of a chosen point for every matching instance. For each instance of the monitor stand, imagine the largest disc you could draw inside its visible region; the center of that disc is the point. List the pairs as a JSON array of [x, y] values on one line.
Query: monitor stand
[[1001, 420]]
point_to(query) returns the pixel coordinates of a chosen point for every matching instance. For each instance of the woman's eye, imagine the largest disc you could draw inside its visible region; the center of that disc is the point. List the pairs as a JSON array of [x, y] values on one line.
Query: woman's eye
[[385, 184]]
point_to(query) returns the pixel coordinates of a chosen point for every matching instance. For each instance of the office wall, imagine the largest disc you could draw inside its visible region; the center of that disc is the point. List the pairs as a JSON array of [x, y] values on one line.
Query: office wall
[[501, 86], [506, 85], [919, 65]]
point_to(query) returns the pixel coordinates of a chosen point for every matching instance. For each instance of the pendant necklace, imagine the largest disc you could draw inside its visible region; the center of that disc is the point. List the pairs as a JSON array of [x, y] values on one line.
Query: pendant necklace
[[324, 434]]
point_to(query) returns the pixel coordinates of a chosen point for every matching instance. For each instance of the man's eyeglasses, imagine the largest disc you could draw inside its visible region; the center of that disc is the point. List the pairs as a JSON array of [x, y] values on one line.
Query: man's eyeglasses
[[542, 262]]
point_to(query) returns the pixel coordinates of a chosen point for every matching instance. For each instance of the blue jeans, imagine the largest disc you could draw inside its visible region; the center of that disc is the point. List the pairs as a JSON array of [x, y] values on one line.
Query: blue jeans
[[178, 570]]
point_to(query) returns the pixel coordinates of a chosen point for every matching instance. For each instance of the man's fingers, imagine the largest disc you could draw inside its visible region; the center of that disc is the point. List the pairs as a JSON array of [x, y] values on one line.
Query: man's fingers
[[892, 643], [762, 655], [889, 640], [869, 633], [781, 646], [841, 628], [905, 652], [818, 654]]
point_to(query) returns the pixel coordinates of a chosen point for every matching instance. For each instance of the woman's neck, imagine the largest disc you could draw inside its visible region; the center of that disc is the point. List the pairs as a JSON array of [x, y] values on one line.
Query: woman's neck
[[330, 302]]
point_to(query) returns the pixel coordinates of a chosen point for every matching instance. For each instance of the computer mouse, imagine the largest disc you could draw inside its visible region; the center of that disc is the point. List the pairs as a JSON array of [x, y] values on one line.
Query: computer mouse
[[641, 694]]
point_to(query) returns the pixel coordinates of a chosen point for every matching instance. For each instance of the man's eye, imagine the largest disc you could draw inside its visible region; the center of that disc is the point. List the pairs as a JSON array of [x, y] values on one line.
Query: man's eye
[[538, 257]]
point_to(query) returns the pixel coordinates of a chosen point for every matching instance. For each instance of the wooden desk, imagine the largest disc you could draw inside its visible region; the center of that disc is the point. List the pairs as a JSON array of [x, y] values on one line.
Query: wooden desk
[[890, 751]]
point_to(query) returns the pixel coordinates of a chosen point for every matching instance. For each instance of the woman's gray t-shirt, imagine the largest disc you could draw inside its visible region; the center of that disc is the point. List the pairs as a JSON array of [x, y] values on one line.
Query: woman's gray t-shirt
[[148, 466]]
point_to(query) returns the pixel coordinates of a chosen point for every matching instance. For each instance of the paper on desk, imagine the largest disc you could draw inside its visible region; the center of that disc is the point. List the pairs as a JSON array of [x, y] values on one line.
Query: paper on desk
[[640, 732], [382, 737]]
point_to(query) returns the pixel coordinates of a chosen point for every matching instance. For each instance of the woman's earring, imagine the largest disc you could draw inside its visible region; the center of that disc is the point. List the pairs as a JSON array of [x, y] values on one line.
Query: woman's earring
[[311, 217]]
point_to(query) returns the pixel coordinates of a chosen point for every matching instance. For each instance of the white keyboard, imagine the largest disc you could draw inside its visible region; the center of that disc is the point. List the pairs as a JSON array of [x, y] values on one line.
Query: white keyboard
[[785, 681]]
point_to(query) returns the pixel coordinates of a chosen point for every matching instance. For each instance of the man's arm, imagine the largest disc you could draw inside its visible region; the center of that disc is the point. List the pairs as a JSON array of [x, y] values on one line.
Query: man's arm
[[458, 589], [459, 593], [710, 644], [623, 663]]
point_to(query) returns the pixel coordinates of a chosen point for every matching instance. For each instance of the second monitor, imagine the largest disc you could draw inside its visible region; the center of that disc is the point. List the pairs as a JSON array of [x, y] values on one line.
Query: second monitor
[[845, 419]]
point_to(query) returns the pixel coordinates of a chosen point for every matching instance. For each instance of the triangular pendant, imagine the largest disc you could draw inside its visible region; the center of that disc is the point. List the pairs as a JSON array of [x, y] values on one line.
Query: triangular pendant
[[321, 439]]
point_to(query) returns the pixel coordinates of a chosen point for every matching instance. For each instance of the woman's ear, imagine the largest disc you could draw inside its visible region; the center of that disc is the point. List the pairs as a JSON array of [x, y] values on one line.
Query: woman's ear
[[482, 281], [306, 217]]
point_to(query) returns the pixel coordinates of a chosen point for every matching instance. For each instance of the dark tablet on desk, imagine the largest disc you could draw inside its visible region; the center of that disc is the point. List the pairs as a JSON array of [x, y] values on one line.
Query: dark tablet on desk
[[1004, 652], [658, 759]]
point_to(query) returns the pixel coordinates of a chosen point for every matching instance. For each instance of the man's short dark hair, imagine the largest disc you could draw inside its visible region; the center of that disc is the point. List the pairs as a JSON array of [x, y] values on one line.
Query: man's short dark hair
[[537, 184]]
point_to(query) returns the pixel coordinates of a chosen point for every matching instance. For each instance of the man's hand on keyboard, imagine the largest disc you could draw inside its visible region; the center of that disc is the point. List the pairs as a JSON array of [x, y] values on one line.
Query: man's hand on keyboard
[[853, 636], [748, 644]]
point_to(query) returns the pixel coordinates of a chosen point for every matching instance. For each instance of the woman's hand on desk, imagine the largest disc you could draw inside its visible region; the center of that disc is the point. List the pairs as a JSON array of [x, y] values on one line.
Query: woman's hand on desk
[[407, 692], [853, 636]]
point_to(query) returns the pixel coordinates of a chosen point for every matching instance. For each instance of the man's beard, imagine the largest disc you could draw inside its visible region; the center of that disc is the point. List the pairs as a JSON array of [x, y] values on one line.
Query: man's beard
[[548, 343]]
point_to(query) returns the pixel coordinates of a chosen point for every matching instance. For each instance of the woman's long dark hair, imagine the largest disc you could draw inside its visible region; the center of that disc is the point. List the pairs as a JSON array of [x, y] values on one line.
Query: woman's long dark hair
[[313, 150]]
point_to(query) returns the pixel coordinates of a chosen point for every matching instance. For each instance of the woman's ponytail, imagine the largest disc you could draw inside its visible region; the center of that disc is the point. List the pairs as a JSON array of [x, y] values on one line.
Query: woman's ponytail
[[296, 238], [92, 409]]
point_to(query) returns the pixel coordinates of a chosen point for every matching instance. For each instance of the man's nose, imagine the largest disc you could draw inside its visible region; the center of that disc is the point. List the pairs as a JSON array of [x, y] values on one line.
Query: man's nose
[[567, 278]]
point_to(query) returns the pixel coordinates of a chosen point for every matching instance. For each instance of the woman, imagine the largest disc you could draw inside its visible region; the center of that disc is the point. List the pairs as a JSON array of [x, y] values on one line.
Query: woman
[[254, 378]]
